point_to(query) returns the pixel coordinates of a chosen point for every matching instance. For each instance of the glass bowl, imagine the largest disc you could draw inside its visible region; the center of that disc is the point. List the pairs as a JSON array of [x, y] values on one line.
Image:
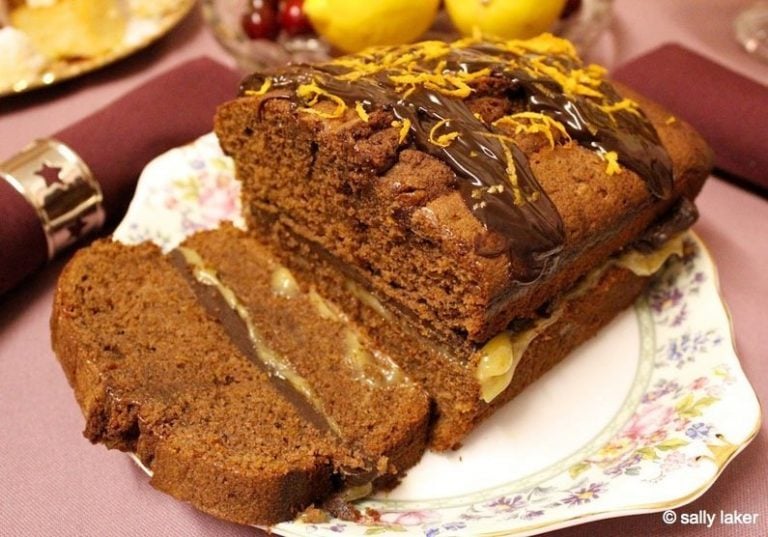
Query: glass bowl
[[224, 19], [583, 25]]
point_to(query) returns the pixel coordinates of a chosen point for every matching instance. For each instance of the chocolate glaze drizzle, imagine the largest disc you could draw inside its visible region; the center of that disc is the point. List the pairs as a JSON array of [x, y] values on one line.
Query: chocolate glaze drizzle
[[521, 217], [679, 218]]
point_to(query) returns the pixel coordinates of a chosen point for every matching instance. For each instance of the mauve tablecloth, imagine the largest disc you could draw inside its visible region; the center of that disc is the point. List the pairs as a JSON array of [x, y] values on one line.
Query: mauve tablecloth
[[53, 483]]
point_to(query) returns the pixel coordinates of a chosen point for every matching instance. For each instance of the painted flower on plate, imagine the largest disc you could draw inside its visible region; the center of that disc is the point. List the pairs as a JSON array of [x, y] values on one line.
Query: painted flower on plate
[[585, 494], [219, 200], [698, 430], [411, 518], [508, 503], [649, 423]]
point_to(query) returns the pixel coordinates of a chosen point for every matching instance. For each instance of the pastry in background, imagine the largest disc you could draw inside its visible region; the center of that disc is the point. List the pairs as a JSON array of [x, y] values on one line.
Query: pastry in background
[[152, 8], [71, 29], [20, 60]]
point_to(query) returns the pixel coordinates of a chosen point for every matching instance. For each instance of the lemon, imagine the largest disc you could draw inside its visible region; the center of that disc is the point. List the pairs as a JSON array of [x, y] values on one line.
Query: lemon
[[352, 25], [508, 19]]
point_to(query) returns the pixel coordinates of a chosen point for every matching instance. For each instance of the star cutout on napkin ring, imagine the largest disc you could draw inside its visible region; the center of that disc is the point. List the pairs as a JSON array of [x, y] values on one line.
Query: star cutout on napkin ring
[[60, 187]]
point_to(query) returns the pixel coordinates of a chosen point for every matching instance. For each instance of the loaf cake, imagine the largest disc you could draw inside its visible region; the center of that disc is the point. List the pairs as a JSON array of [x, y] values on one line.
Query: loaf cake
[[464, 190], [245, 396], [430, 229]]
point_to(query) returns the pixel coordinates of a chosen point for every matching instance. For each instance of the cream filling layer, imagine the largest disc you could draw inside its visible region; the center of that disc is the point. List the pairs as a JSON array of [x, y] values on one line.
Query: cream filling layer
[[502, 354], [283, 283], [648, 264], [371, 366]]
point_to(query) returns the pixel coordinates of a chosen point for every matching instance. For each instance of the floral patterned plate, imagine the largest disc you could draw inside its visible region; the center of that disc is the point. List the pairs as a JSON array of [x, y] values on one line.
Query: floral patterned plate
[[642, 418]]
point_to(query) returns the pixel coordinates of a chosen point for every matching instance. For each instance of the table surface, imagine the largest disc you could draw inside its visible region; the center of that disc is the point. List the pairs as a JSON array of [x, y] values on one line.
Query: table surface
[[53, 483]]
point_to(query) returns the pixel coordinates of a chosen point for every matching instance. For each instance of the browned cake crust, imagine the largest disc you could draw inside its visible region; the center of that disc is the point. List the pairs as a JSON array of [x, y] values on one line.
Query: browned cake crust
[[394, 217], [158, 370]]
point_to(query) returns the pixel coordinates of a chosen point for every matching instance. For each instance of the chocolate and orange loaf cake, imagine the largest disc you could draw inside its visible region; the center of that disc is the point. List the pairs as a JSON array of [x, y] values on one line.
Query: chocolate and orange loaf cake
[[464, 190], [245, 396]]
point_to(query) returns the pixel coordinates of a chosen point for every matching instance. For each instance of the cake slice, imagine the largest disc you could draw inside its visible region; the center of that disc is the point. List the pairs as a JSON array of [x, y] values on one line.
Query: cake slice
[[464, 190], [244, 395]]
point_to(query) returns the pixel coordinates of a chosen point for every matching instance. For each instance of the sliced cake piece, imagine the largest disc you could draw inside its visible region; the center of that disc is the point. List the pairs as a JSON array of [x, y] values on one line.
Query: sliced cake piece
[[250, 402], [370, 401]]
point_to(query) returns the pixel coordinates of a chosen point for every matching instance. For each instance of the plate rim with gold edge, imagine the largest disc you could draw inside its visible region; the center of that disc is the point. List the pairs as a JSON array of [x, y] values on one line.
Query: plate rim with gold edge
[[56, 71]]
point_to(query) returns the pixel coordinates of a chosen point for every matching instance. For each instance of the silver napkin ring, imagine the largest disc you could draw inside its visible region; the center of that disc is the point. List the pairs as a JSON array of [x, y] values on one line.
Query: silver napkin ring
[[60, 187]]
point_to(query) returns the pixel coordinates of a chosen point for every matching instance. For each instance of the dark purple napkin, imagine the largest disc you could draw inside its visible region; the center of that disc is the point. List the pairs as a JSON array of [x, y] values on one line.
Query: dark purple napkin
[[116, 143], [170, 110], [22, 242], [729, 110]]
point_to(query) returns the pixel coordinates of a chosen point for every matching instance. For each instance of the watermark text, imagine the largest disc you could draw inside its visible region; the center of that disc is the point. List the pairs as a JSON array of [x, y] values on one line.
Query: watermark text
[[705, 518]]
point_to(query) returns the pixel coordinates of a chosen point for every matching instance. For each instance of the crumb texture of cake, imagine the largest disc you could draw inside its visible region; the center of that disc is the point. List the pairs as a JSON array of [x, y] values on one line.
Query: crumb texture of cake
[[469, 382], [245, 400], [465, 183]]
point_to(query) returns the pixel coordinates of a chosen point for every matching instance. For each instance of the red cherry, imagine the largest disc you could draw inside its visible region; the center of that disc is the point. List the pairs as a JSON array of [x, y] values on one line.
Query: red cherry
[[261, 21], [292, 18]]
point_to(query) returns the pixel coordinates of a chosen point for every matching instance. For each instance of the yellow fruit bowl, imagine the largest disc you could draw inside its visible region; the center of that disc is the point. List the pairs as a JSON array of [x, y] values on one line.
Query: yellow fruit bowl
[[340, 26]]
